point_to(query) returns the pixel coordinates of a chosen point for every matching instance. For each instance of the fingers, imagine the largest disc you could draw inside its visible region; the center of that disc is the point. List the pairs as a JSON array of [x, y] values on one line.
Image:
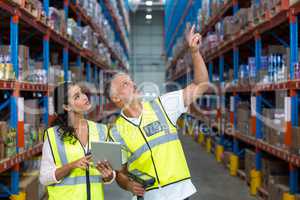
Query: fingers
[[192, 31], [105, 169], [83, 164], [137, 189], [89, 157]]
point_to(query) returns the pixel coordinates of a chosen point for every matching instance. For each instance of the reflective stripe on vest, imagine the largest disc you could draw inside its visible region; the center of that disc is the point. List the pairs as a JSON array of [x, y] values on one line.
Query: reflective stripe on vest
[[101, 132], [153, 143], [117, 137], [61, 147], [160, 115], [78, 180]]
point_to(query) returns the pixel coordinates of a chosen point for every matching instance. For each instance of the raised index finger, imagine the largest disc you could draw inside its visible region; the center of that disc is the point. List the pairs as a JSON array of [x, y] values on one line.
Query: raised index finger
[[192, 31]]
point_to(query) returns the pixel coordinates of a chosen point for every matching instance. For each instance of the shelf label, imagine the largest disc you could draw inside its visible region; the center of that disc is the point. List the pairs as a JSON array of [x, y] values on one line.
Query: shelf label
[[20, 103], [287, 109], [253, 106], [232, 104]]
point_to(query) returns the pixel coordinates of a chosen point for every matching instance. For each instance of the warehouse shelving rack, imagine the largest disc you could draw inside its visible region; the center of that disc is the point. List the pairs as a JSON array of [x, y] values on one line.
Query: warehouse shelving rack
[[18, 23], [115, 23], [232, 49]]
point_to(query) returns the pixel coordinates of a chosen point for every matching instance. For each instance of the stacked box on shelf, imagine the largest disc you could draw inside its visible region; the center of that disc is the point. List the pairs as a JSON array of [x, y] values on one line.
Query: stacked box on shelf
[[275, 65], [295, 147], [6, 68], [274, 170], [33, 128], [278, 185], [57, 20], [232, 25], [74, 31], [273, 126], [9, 137], [242, 15], [34, 7], [243, 116]]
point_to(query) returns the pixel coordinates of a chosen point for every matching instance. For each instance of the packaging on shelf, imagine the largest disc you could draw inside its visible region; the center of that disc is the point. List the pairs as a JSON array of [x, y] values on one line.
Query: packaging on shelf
[[232, 25], [242, 15], [251, 16], [263, 72], [57, 20], [244, 74], [274, 169], [32, 112], [55, 74], [30, 186], [74, 31], [6, 68], [10, 142], [273, 126], [252, 75], [33, 134], [295, 148], [219, 31], [243, 114], [87, 37], [276, 191], [3, 132], [8, 137]]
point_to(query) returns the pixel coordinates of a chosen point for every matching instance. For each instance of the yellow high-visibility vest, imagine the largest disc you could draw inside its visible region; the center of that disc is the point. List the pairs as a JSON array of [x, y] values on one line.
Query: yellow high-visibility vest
[[153, 146], [80, 184]]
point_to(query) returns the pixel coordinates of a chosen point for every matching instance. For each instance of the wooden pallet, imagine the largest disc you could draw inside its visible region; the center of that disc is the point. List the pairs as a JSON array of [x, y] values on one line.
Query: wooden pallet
[[262, 194]]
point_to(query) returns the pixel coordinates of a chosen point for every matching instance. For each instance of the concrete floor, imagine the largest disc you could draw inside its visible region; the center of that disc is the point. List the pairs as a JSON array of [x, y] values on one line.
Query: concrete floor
[[212, 180]]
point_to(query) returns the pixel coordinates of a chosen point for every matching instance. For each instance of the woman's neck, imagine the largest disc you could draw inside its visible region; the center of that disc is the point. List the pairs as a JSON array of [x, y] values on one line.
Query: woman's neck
[[77, 120]]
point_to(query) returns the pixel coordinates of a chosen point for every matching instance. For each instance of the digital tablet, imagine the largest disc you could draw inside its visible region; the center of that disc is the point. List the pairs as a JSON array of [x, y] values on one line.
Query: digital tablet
[[109, 151]]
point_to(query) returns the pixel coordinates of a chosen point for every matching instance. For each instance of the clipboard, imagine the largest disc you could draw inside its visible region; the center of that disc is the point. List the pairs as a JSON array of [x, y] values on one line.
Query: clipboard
[[109, 151]]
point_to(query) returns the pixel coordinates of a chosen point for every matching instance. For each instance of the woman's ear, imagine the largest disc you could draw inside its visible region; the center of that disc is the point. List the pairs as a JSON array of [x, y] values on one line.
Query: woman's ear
[[67, 108]]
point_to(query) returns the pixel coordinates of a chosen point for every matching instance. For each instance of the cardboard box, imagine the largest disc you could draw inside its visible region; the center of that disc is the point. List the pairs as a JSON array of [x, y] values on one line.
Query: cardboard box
[[31, 112], [295, 148], [276, 191], [30, 186], [232, 26], [276, 169], [243, 17]]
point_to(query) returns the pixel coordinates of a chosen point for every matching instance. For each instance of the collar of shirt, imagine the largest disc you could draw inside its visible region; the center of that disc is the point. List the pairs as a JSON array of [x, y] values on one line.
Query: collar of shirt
[[134, 120]]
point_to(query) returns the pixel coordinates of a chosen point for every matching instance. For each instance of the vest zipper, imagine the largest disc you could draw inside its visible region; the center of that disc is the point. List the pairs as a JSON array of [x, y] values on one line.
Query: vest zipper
[[88, 184], [151, 157]]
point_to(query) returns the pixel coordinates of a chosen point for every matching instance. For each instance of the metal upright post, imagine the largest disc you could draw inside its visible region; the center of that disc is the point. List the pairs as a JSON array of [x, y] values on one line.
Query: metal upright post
[[88, 72], [46, 63], [66, 63], [292, 101], [15, 124]]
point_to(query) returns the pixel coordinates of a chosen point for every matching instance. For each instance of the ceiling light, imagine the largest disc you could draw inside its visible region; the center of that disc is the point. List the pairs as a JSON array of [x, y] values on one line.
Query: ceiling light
[[149, 9], [149, 3], [148, 16]]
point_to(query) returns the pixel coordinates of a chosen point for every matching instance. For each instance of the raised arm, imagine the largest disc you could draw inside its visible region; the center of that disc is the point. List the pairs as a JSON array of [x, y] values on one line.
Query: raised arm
[[200, 82]]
